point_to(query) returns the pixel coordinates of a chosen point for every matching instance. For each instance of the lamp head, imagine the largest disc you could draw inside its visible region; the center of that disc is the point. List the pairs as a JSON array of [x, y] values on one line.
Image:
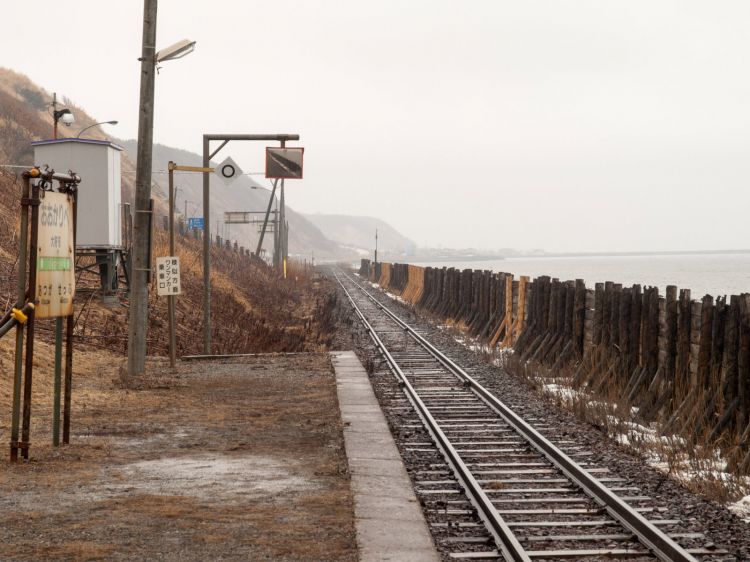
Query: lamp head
[[176, 51], [67, 117]]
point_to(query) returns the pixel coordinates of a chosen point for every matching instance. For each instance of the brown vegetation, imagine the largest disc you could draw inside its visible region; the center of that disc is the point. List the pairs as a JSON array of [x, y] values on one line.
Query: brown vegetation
[[231, 460], [254, 310]]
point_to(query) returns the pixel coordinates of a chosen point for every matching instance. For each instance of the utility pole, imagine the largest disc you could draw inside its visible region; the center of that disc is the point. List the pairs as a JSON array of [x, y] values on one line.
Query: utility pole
[[276, 230], [376, 245], [281, 235], [138, 320], [171, 298], [54, 115], [282, 224]]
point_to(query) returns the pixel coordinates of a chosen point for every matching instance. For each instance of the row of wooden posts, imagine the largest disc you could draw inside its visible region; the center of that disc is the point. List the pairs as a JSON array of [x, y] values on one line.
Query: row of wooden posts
[[683, 363]]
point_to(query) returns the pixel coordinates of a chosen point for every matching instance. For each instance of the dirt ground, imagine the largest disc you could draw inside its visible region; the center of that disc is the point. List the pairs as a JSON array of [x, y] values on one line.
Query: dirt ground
[[225, 460]]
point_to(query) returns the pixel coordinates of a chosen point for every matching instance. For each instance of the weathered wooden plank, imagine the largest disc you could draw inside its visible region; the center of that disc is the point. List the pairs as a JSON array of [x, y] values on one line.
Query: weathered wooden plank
[[579, 316], [743, 362], [682, 365], [705, 342], [607, 313], [598, 313], [670, 332], [731, 349], [635, 326]]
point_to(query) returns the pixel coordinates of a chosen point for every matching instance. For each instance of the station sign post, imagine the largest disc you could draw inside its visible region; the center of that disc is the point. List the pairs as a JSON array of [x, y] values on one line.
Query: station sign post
[[55, 279], [169, 284], [47, 252], [55, 268]]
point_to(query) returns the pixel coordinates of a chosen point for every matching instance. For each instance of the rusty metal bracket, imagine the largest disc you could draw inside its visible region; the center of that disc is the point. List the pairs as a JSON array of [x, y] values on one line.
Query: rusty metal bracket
[[30, 202]]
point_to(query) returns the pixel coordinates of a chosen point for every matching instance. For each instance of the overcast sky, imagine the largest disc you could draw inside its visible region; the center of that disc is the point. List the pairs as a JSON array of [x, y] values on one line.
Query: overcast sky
[[564, 125]]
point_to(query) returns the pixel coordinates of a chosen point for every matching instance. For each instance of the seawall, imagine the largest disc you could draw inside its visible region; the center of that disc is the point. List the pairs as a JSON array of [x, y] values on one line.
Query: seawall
[[682, 362]]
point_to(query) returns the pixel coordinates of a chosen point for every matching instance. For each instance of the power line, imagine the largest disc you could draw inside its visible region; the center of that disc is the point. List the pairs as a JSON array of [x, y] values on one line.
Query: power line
[[176, 172], [26, 166]]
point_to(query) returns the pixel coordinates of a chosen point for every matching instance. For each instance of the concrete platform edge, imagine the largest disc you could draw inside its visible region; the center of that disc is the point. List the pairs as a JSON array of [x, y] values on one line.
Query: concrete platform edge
[[389, 522]]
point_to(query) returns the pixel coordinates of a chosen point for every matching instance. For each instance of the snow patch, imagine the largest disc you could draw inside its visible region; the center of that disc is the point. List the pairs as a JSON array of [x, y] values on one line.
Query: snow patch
[[741, 508], [661, 452]]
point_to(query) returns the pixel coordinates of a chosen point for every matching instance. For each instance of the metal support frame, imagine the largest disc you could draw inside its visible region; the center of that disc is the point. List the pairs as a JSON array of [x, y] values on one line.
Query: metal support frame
[[171, 298], [171, 303], [207, 156], [24, 366], [106, 264], [265, 220], [243, 217], [21, 298], [30, 332]]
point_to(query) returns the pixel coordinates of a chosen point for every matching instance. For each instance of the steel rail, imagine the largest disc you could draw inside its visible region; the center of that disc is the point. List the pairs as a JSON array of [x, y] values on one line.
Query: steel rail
[[648, 534], [505, 539]]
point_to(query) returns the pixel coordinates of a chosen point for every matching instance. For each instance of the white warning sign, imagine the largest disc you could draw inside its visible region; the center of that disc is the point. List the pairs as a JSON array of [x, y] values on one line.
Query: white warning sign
[[228, 170], [168, 276]]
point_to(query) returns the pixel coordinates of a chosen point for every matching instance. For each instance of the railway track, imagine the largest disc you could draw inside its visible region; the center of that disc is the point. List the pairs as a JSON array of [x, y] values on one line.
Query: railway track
[[496, 486]]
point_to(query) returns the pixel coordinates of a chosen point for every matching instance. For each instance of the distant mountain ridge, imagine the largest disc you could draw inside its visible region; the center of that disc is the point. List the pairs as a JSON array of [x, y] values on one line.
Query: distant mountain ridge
[[358, 233]]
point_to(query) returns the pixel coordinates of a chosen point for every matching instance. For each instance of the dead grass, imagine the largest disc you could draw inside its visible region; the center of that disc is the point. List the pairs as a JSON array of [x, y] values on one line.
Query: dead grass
[[97, 499]]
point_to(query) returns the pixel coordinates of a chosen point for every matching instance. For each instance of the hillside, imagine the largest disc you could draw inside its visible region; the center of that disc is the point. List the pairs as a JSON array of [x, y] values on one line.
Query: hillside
[[25, 116], [358, 233], [260, 311]]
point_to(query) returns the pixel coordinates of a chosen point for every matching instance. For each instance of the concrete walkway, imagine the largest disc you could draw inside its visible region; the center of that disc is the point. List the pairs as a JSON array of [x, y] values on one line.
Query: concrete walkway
[[389, 522]]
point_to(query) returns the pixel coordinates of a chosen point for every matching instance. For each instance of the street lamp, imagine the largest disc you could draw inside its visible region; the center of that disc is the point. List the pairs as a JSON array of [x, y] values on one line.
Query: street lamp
[[64, 115], [140, 265], [78, 136], [176, 51]]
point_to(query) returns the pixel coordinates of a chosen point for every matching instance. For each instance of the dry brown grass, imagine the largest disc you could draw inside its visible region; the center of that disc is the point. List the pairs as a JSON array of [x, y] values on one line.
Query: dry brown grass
[[602, 404], [86, 501]]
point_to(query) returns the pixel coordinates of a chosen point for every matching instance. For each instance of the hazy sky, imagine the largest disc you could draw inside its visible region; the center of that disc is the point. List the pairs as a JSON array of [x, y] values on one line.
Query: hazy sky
[[564, 125]]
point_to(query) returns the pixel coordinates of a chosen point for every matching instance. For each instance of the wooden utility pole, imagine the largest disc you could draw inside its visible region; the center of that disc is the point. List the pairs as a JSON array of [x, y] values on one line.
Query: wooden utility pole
[[138, 320]]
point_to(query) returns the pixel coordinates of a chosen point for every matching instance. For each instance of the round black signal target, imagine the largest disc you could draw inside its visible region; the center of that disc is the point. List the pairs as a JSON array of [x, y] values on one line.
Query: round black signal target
[[228, 170]]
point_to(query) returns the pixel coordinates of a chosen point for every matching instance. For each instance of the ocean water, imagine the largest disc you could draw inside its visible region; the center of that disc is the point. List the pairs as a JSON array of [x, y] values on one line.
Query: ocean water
[[713, 274]]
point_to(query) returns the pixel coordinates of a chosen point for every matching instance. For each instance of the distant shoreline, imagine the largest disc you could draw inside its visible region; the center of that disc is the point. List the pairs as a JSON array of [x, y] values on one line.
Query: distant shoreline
[[629, 254], [456, 259]]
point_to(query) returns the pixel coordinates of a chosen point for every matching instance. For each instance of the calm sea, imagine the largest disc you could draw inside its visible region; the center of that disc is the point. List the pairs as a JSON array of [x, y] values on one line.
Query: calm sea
[[713, 274]]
